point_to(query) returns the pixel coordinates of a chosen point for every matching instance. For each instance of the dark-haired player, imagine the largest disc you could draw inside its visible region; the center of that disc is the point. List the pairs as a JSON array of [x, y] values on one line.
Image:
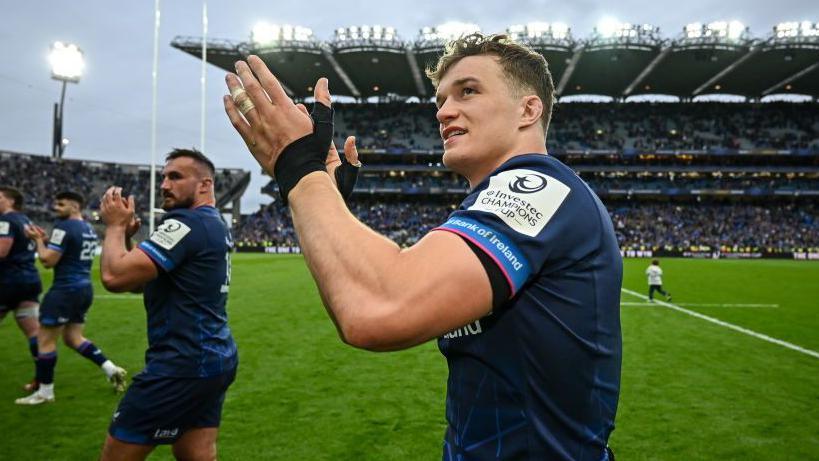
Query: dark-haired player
[[184, 270], [70, 252], [20, 285]]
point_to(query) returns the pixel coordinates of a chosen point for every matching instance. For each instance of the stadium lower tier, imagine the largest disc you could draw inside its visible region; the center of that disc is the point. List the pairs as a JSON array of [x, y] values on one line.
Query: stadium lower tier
[[656, 226]]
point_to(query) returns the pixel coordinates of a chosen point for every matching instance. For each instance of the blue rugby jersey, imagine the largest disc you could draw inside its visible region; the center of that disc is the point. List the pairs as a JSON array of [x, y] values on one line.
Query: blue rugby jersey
[[188, 333], [539, 377], [77, 241], [18, 265]]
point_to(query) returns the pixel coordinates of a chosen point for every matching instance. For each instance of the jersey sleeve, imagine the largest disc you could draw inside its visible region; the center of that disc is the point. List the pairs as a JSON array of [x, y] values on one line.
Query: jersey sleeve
[[525, 221], [178, 237], [6, 231], [60, 237]]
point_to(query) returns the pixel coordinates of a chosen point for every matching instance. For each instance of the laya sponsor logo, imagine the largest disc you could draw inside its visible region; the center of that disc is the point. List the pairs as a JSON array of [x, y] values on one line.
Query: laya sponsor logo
[[523, 199], [471, 329], [170, 233], [166, 433], [57, 236]]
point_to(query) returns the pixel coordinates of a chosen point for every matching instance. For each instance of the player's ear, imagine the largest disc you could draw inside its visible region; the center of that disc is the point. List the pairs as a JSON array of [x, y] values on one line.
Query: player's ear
[[531, 110]]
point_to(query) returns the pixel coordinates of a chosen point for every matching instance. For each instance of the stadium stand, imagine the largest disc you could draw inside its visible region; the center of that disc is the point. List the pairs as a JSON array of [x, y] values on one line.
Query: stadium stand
[[698, 178], [40, 177], [635, 128]]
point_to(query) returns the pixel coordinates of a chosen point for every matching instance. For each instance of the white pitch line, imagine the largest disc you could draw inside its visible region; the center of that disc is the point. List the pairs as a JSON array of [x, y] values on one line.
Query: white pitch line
[[731, 326], [118, 296], [626, 303], [727, 305]]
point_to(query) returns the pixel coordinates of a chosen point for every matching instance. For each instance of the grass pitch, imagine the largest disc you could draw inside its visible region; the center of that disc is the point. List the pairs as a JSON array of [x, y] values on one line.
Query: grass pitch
[[691, 390]]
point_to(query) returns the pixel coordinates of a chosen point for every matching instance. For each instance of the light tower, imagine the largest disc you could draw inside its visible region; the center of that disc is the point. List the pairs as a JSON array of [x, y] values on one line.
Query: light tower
[[67, 64]]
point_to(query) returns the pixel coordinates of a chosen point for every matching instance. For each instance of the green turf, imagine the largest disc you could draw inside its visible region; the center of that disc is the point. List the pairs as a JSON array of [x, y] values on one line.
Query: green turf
[[691, 390]]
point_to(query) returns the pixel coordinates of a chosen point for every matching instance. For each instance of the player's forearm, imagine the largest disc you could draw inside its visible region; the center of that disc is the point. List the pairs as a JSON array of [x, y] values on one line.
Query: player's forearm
[[46, 255], [112, 267], [356, 269], [5, 247]]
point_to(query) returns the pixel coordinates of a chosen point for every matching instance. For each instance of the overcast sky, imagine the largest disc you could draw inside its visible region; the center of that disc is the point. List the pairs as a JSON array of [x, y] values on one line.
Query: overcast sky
[[108, 114]]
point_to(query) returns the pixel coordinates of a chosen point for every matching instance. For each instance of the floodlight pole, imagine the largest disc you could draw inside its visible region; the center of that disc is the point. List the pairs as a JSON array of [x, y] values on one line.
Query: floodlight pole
[[57, 147]]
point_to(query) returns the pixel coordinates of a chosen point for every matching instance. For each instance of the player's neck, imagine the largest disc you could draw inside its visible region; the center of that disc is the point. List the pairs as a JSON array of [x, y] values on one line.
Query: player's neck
[[207, 200], [526, 145], [77, 216]]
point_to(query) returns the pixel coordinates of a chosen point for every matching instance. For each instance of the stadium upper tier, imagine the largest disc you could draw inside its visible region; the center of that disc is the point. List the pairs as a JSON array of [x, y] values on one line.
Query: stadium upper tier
[[611, 128], [39, 178], [617, 60]]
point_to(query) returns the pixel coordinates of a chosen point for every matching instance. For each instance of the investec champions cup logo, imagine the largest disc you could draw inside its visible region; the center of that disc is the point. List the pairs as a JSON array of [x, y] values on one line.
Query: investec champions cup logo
[[527, 184], [524, 199]]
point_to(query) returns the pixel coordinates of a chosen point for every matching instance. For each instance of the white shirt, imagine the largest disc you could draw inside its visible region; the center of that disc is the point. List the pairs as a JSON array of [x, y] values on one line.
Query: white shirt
[[655, 275]]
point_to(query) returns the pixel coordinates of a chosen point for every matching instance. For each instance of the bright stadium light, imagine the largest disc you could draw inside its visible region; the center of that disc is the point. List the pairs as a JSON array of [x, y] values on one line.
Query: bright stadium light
[[723, 29], [608, 27], [372, 33], [694, 30], [269, 34], [794, 29], [448, 31], [560, 30], [67, 62], [735, 29], [535, 31]]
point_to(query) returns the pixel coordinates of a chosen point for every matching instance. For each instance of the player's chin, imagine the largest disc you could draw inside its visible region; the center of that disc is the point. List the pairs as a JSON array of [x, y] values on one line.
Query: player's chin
[[169, 204], [454, 159]]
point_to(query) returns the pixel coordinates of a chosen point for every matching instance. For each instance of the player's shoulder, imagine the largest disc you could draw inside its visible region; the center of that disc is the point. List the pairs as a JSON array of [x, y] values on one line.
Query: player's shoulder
[[6, 224], [184, 224], [540, 163], [14, 217], [526, 192]]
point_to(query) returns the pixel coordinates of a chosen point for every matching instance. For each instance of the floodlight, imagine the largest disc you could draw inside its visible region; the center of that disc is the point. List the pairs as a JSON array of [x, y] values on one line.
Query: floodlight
[[794, 29], [448, 31], [377, 32], [735, 29], [694, 30], [268, 34], [67, 62], [608, 27], [560, 30], [538, 31]]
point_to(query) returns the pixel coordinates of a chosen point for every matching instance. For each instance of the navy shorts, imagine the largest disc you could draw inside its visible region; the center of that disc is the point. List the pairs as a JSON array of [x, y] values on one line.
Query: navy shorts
[[159, 409], [14, 294], [65, 305]]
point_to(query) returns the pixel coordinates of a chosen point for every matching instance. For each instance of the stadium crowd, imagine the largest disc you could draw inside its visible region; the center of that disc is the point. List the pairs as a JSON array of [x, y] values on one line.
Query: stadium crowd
[[637, 127], [40, 177], [639, 225], [774, 229]]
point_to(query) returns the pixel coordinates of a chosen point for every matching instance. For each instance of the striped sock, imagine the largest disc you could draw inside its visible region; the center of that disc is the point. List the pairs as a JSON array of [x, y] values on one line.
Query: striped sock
[[88, 350]]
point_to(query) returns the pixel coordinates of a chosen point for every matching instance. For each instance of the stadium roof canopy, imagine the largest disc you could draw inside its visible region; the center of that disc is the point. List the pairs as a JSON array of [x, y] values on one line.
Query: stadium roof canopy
[[618, 60]]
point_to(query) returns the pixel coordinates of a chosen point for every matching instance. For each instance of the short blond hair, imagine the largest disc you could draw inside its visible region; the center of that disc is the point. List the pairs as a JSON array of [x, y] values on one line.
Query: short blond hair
[[526, 69]]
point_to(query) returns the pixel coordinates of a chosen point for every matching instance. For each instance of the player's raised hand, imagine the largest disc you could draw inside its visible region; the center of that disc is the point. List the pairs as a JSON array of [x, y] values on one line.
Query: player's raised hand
[[133, 225], [259, 109], [116, 210], [34, 232], [342, 170]]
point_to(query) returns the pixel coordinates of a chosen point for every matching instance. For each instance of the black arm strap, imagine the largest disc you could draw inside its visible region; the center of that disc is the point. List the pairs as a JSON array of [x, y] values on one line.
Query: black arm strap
[[500, 287]]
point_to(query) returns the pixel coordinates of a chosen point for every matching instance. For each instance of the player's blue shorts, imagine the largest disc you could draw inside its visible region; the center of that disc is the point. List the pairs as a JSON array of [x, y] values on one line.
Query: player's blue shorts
[[159, 409], [13, 294], [65, 305]]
